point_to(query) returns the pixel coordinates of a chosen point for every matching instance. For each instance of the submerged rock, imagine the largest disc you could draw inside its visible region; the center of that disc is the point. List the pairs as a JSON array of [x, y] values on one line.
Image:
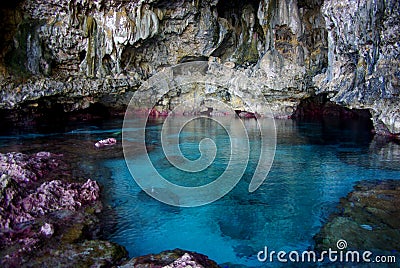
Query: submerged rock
[[368, 219], [105, 142]]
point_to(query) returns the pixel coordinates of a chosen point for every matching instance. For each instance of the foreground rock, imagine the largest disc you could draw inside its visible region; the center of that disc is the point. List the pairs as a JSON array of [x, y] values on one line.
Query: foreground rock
[[369, 219], [42, 219], [90, 253], [172, 259]]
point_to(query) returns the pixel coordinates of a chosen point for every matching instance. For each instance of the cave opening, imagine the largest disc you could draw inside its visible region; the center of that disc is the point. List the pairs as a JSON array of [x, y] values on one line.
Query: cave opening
[[243, 35], [233, 9], [49, 116], [320, 108]]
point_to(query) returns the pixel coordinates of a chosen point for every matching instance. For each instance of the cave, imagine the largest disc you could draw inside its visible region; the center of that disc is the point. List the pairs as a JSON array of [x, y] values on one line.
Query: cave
[[47, 116], [320, 106], [320, 109], [252, 94]]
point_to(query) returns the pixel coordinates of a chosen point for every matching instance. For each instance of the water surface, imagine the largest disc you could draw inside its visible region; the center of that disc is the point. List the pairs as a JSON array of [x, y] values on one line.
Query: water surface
[[315, 165]]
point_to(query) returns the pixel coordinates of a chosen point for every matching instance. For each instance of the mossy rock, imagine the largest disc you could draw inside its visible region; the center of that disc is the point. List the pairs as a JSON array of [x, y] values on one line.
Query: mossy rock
[[73, 234], [368, 219], [247, 53], [91, 253]]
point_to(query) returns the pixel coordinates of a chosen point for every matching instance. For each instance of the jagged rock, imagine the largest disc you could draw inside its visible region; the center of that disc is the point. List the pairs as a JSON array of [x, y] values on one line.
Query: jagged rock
[[200, 88], [364, 57], [171, 258], [36, 210], [73, 94], [185, 261], [88, 40], [24, 168], [368, 218], [58, 195]]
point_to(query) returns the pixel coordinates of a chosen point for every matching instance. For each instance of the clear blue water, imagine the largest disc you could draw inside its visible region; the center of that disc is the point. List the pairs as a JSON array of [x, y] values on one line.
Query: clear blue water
[[315, 165]]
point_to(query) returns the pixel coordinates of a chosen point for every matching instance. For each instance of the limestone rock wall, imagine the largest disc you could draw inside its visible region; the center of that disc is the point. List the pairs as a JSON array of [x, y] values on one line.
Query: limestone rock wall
[[364, 58], [78, 52], [295, 50]]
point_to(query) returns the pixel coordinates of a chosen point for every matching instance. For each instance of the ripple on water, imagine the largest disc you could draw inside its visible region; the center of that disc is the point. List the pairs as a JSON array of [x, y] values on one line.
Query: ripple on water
[[381, 154], [322, 210]]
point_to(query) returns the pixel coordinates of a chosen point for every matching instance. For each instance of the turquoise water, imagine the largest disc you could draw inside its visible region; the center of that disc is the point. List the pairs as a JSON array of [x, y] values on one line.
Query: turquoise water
[[315, 164]]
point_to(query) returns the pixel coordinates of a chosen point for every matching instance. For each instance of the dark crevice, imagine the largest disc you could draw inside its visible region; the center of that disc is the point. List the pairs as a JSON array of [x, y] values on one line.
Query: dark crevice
[[82, 55], [333, 116], [242, 38], [108, 63], [193, 58], [47, 116], [232, 9], [329, 119], [320, 106]]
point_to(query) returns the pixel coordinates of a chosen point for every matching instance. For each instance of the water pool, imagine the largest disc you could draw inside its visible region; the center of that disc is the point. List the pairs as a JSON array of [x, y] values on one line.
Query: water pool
[[315, 165]]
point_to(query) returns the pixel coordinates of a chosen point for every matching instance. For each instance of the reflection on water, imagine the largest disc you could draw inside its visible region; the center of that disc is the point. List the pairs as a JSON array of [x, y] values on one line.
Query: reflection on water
[[381, 154], [315, 164]]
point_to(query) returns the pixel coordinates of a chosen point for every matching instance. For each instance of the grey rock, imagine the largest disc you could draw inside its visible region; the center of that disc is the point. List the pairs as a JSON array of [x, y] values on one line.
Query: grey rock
[[364, 57]]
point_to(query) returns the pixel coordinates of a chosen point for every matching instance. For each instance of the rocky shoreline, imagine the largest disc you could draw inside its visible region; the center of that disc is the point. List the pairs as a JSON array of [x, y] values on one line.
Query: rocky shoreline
[[48, 217]]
